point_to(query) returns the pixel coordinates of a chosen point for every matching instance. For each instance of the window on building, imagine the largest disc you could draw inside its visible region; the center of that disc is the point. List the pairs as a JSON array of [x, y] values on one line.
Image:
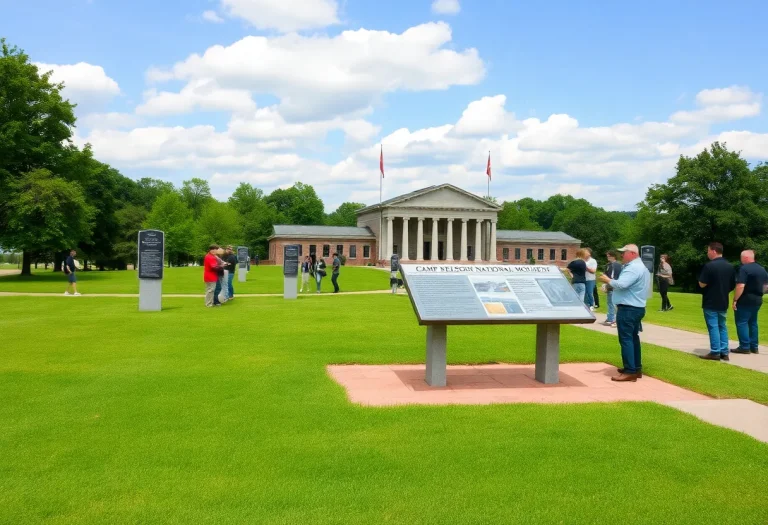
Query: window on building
[[340, 249], [312, 250], [326, 250], [301, 248], [469, 253], [366, 252], [517, 254], [353, 251], [505, 254], [552, 254], [528, 254], [541, 254], [563, 255]]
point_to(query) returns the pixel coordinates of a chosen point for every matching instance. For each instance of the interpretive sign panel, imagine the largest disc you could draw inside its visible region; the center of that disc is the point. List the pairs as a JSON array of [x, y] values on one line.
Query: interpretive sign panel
[[291, 259], [151, 254], [242, 256], [492, 294], [394, 263]]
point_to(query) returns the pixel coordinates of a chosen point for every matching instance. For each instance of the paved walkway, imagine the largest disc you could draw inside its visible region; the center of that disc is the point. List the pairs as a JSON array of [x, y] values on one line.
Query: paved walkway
[[689, 342], [183, 295], [9, 272]]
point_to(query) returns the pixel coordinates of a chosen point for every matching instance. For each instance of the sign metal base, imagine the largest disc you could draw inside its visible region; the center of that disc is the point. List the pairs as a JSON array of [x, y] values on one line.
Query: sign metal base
[[436, 354], [548, 354], [241, 274], [150, 295], [290, 284]]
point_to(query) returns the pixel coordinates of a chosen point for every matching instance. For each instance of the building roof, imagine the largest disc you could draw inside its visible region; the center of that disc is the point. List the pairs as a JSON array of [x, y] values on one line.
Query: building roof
[[292, 230], [533, 236], [422, 191]]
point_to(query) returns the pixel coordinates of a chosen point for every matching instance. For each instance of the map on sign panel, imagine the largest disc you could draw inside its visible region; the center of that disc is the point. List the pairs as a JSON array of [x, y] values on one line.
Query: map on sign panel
[[492, 293]]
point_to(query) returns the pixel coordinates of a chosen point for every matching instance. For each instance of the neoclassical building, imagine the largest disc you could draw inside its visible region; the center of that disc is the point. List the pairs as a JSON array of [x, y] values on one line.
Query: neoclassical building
[[438, 223]]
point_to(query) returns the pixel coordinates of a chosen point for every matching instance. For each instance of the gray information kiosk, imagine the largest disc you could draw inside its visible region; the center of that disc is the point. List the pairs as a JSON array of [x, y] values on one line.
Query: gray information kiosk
[[290, 271], [493, 294], [242, 263], [151, 258], [648, 256]]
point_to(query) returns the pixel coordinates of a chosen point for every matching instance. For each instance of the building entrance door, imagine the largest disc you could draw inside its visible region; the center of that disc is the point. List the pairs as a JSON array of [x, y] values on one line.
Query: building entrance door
[[440, 254], [427, 250]]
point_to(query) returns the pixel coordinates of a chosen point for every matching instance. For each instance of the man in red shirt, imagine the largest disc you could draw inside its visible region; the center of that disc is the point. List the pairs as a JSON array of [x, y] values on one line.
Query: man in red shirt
[[210, 275]]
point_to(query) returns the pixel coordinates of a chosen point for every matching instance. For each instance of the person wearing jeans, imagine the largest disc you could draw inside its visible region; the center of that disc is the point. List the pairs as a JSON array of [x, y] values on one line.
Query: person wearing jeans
[[231, 260], [717, 280], [612, 270], [665, 280], [577, 269], [335, 274], [590, 282], [630, 291], [751, 282]]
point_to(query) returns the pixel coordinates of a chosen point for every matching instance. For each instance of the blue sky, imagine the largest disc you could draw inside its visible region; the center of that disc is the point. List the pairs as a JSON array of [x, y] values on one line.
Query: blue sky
[[597, 99]]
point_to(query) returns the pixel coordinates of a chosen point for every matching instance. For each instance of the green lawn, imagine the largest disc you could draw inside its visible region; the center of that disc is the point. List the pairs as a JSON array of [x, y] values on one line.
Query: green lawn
[[186, 280], [195, 415]]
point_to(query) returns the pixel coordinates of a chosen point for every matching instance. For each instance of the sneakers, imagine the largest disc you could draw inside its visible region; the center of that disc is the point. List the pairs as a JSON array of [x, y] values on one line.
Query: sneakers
[[67, 293], [612, 324], [754, 351], [670, 308], [78, 293]]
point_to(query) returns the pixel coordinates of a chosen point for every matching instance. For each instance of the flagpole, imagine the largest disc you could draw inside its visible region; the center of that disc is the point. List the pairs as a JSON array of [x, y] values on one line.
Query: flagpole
[[381, 212], [488, 176]]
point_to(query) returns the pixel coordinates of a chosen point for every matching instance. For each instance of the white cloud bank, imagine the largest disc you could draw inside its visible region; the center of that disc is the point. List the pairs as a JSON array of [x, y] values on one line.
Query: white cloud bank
[[446, 7], [284, 15], [84, 84]]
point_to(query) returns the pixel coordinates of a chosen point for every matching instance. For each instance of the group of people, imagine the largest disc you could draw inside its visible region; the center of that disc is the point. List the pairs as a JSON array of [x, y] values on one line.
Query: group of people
[[583, 272], [316, 269], [218, 273]]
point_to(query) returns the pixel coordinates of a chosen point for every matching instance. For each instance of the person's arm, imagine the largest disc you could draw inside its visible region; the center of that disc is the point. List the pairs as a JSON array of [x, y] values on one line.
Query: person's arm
[[704, 278], [628, 277], [590, 269], [737, 294]]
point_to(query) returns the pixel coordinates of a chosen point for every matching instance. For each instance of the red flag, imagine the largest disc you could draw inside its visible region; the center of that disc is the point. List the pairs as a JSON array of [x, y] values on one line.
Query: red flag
[[381, 162], [488, 169]]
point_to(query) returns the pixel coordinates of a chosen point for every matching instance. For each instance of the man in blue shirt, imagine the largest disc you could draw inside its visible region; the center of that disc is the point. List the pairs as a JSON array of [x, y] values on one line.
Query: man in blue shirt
[[629, 294]]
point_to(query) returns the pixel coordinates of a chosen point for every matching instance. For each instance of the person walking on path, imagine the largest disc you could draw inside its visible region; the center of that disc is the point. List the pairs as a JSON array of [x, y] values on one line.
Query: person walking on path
[[590, 284], [305, 267], [231, 260], [612, 271], [751, 283], [629, 294], [319, 272], [335, 273], [717, 281], [665, 280], [577, 268], [210, 275], [70, 268]]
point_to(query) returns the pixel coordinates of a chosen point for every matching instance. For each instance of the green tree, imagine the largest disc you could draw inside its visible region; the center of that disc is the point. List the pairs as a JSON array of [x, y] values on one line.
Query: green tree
[[245, 198], [130, 220], [45, 213], [595, 227], [196, 193], [219, 223], [298, 204], [344, 215], [515, 217], [171, 215], [35, 126], [149, 189]]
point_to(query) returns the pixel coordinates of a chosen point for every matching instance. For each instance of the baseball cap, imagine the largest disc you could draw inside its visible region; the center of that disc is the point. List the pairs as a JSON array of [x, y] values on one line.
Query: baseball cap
[[629, 248]]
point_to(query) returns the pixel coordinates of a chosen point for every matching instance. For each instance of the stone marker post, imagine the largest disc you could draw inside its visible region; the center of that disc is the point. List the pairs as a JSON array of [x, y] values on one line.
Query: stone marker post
[[290, 270], [242, 263], [394, 267], [151, 258], [648, 256]]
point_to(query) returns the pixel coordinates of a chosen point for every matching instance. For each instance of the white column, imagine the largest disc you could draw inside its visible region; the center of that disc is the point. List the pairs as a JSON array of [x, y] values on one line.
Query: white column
[[478, 240], [449, 241], [405, 240], [463, 254], [493, 242], [433, 244], [390, 238], [420, 240]]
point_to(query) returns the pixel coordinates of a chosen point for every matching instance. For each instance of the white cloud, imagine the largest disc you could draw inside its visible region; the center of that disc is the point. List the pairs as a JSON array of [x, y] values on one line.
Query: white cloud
[[486, 116], [446, 7], [320, 77], [212, 16], [84, 84], [721, 105], [200, 94], [285, 16]]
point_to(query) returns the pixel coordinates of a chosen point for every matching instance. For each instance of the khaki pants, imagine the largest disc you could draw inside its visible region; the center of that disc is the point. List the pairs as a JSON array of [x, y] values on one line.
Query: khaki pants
[[209, 289]]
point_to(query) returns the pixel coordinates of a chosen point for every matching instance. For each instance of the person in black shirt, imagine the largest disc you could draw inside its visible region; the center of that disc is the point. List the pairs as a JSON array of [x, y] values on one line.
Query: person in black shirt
[[578, 270], [612, 270], [231, 259], [69, 269], [747, 300], [717, 280]]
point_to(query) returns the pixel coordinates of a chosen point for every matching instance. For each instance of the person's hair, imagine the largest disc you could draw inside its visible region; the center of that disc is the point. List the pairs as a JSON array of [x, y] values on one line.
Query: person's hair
[[335, 254], [665, 256], [229, 247], [610, 253], [716, 247], [588, 250], [580, 253], [213, 247]]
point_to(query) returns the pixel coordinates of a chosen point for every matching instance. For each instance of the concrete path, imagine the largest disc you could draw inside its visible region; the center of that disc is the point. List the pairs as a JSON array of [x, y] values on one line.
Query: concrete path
[[198, 296], [742, 415], [9, 272], [689, 342]]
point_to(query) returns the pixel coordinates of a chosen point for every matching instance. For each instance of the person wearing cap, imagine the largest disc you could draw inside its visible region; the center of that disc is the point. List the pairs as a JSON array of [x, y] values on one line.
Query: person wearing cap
[[629, 293]]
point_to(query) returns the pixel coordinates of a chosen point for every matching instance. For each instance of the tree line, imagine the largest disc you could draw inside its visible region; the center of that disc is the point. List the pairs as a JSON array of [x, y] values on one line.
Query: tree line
[[55, 196]]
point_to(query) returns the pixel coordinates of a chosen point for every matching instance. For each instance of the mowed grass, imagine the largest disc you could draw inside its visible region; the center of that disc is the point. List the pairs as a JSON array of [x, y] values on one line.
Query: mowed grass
[[187, 280], [193, 415]]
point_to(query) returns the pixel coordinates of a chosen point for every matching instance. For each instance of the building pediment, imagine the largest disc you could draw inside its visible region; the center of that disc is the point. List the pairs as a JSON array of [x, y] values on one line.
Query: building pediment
[[443, 196]]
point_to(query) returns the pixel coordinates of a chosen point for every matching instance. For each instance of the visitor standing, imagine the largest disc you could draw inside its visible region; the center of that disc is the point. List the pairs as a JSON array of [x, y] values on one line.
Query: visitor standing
[[629, 294], [751, 283], [335, 272], [319, 272], [210, 275], [590, 283], [665, 281], [612, 271], [70, 269], [577, 269], [305, 267], [231, 260], [717, 280], [221, 282]]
